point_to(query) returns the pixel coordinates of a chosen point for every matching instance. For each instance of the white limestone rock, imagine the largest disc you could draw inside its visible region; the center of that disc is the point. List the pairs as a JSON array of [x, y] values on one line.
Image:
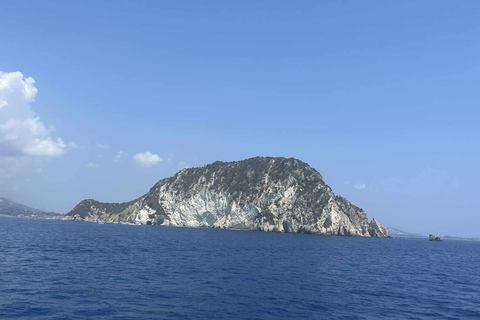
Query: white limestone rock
[[267, 194]]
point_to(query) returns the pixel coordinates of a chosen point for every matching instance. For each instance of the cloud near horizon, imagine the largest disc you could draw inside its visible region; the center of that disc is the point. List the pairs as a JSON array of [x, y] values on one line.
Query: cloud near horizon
[[147, 159], [21, 131], [183, 165], [118, 157], [102, 146], [359, 186]]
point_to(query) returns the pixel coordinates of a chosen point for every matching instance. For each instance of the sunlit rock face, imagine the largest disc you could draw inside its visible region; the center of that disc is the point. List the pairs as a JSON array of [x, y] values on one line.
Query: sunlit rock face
[[263, 193]]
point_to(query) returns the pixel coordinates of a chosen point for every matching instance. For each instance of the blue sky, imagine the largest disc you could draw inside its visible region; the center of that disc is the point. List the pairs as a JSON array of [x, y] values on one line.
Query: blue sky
[[381, 97]]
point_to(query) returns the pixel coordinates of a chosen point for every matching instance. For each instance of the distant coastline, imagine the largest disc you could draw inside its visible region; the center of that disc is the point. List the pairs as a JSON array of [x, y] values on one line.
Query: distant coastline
[[10, 208], [397, 233]]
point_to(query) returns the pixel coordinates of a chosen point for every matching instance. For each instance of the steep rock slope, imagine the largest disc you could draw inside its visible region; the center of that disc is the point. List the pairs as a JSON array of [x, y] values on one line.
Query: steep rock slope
[[262, 193]]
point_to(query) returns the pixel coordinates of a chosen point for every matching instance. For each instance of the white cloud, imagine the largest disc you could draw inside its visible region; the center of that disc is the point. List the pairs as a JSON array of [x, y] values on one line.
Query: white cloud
[[182, 165], [15, 168], [92, 165], [359, 186], [118, 157], [73, 145], [147, 159], [102, 146], [21, 131]]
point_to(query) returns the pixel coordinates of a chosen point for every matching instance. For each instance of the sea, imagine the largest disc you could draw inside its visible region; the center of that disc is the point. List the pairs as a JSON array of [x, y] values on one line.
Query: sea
[[51, 269]]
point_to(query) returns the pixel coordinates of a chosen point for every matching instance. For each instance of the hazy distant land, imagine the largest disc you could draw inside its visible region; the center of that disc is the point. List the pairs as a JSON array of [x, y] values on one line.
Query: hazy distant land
[[10, 208]]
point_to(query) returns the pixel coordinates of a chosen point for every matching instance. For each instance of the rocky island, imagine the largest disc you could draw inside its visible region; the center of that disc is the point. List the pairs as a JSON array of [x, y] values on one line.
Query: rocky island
[[262, 193], [433, 237]]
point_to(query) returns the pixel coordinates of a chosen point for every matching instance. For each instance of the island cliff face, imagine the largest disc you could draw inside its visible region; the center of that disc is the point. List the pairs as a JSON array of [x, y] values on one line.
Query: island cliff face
[[263, 193]]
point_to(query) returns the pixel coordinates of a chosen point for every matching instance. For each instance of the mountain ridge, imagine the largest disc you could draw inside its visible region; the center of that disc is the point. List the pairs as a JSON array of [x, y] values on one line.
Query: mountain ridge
[[400, 233], [12, 208]]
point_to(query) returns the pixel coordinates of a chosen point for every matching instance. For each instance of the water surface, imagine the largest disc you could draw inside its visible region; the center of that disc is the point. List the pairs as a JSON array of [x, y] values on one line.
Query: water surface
[[75, 270]]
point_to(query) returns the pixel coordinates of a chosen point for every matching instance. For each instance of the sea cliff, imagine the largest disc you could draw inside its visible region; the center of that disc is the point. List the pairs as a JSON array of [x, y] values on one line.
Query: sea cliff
[[262, 193]]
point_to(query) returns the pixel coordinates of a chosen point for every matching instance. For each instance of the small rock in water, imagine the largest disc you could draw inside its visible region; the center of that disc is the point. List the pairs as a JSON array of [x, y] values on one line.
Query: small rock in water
[[432, 237]]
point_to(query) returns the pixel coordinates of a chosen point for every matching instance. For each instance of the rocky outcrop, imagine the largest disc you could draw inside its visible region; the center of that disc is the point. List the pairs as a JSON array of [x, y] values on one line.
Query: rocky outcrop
[[263, 193], [376, 229], [434, 238]]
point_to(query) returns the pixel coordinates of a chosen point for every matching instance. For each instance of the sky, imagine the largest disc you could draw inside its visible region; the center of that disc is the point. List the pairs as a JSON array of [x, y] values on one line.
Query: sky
[[101, 99]]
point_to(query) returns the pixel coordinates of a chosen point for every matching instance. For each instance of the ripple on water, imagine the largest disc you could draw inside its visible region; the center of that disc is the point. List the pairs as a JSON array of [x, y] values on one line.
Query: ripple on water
[[67, 270]]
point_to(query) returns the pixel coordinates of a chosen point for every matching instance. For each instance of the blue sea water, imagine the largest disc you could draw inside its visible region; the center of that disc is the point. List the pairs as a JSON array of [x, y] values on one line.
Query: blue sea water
[[73, 270]]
